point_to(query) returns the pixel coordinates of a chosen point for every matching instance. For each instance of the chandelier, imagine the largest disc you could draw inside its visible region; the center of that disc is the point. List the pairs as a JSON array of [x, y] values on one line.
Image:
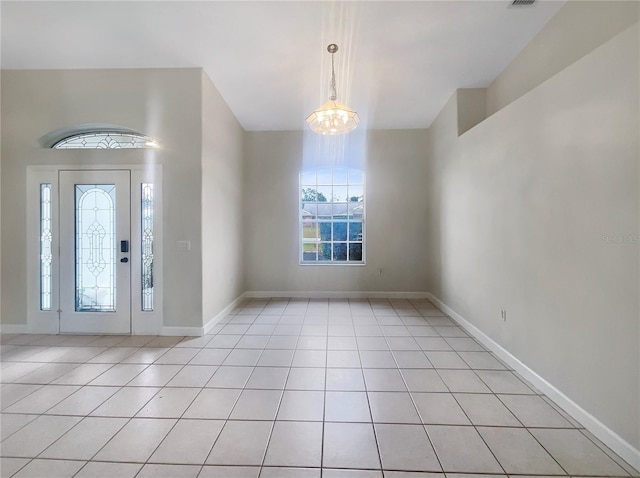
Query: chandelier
[[333, 117]]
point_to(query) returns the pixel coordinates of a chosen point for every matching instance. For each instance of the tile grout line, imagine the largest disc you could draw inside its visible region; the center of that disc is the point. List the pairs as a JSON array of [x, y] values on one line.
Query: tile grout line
[[386, 319], [516, 417], [235, 403], [129, 420], [176, 420], [414, 403], [494, 394], [366, 393], [275, 417], [324, 397], [467, 415]]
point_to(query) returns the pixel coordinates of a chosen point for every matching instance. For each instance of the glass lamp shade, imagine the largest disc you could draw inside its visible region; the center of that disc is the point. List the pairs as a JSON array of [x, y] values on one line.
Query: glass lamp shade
[[333, 118]]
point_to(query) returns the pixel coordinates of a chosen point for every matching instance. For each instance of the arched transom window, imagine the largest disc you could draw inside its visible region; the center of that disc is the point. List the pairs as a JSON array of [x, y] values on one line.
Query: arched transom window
[[106, 140]]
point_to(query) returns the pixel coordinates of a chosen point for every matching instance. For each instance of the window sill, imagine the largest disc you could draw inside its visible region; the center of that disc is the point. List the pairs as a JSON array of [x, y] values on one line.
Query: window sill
[[329, 263]]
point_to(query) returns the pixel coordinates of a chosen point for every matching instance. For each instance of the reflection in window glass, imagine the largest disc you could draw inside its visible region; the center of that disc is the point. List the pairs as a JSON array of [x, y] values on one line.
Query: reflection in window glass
[[355, 231], [339, 231], [331, 216], [324, 252], [339, 251], [355, 251]]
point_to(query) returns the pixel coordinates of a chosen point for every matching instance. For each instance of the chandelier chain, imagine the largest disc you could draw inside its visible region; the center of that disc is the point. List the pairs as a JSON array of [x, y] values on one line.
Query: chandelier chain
[[334, 94]]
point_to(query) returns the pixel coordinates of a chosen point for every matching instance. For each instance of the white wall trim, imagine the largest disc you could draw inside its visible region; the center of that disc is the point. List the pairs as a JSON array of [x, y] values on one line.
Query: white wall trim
[[180, 331], [610, 438], [211, 323], [335, 295], [199, 331], [13, 329]]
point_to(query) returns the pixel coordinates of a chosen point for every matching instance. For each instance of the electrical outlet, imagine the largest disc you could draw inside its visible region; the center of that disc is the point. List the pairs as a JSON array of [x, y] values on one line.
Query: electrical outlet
[[503, 314]]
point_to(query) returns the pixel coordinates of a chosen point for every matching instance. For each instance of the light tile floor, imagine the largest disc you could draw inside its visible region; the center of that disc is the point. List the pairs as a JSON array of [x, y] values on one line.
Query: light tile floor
[[285, 388]]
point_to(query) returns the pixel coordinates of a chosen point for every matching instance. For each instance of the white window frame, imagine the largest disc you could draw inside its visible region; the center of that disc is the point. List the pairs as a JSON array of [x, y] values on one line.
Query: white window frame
[[301, 239]]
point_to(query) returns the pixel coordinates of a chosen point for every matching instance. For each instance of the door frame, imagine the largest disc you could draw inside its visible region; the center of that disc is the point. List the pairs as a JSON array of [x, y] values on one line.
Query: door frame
[[48, 322]]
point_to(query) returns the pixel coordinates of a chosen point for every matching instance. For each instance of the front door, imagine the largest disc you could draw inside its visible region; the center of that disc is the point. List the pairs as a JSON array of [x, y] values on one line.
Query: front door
[[95, 270]]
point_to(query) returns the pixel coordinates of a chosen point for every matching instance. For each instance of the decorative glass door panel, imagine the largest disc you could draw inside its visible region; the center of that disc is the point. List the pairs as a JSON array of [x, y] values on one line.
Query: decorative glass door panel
[[95, 287], [95, 247]]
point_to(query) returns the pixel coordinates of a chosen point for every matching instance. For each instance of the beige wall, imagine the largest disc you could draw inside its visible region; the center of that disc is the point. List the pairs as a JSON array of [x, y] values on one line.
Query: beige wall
[[472, 108], [578, 28], [395, 207], [165, 104], [536, 210], [222, 203], [530, 210]]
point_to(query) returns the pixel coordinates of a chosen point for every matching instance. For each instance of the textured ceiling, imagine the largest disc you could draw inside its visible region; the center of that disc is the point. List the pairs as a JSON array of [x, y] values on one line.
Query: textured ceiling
[[398, 63]]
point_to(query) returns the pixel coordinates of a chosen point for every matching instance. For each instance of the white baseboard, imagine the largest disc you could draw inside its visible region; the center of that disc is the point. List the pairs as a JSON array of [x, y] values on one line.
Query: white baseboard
[[338, 294], [13, 328], [211, 323], [610, 438], [180, 331], [199, 331]]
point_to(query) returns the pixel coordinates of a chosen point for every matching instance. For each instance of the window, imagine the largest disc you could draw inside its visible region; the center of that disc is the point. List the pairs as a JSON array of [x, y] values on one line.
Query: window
[[46, 252], [106, 140], [332, 216], [146, 245]]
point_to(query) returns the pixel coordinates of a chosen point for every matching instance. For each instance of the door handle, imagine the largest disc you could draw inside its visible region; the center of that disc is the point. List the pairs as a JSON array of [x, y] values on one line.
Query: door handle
[[124, 246], [124, 259]]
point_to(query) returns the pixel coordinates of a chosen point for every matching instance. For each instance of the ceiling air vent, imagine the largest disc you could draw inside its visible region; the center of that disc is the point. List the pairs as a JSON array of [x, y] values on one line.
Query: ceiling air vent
[[522, 3]]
